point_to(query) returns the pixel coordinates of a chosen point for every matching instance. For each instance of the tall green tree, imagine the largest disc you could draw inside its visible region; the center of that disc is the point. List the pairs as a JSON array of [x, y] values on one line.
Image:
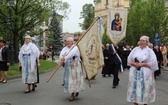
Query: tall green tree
[[96, 1], [59, 11], [78, 33], [105, 39], [26, 15], [55, 32], [88, 15], [146, 18]]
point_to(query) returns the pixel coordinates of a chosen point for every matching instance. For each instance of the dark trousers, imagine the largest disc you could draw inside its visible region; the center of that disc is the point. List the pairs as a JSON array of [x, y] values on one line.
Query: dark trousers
[[115, 74], [158, 71], [53, 59], [159, 68]]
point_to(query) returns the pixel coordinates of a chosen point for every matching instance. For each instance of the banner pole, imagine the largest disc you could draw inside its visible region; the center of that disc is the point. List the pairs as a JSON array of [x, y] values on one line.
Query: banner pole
[[86, 31], [53, 72]]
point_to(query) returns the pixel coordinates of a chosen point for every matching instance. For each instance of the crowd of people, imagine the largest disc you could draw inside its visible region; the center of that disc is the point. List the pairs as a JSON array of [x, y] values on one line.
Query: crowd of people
[[144, 63]]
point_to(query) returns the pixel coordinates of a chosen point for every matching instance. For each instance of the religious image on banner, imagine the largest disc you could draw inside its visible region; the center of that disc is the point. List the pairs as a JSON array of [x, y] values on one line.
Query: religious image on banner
[[90, 47], [116, 24]]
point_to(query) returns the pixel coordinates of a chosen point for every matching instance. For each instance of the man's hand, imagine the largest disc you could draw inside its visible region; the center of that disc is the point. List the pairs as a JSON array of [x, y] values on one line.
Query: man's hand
[[8, 64], [106, 57], [20, 67], [38, 64], [114, 52]]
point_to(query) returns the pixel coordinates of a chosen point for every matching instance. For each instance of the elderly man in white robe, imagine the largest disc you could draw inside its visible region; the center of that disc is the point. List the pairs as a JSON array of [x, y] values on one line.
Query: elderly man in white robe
[[73, 75], [29, 62], [141, 85]]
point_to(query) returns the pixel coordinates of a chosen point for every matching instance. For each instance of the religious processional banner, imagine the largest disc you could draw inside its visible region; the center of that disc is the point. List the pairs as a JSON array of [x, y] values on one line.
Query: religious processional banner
[[90, 47], [157, 39], [116, 24]]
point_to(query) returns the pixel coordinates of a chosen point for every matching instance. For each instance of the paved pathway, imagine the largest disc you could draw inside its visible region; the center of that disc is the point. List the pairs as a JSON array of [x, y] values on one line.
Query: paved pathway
[[101, 92]]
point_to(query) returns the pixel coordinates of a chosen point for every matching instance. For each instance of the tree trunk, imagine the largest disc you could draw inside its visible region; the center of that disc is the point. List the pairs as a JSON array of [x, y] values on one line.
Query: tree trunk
[[16, 47]]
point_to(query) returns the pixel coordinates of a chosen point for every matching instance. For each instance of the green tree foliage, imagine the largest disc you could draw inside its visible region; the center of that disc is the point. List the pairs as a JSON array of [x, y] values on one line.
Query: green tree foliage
[[59, 7], [26, 15], [105, 39], [78, 33], [88, 15], [55, 30], [96, 1], [146, 18]]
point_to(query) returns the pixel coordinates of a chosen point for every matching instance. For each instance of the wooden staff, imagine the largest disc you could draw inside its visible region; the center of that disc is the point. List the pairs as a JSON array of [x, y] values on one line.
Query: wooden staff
[[54, 72], [87, 31], [58, 66]]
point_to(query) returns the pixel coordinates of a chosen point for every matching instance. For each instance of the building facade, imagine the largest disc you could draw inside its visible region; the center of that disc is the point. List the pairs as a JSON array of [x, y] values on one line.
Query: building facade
[[166, 5], [101, 9], [41, 40]]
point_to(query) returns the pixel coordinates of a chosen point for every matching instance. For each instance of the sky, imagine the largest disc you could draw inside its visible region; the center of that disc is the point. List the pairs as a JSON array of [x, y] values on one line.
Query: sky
[[71, 24]]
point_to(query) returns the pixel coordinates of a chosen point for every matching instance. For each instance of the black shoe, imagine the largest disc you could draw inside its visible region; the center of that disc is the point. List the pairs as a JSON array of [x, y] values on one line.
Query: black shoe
[[114, 87], [117, 84], [34, 87], [109, 75], [104, 75], [77, 94]]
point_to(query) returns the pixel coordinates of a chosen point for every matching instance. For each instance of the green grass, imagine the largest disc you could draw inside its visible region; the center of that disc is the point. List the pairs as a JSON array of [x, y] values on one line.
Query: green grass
[[44, 66], [13, 71], [56, 57]]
